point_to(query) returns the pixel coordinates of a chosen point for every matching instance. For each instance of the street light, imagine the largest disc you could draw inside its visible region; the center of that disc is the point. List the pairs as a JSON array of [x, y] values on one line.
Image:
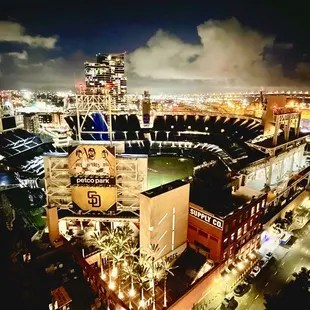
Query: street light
[[114, 272], [141, 304], [112, 285], [132, 292]]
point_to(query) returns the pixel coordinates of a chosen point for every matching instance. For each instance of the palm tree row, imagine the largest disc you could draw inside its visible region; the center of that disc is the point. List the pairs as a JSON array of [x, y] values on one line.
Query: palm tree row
[[120, 255]]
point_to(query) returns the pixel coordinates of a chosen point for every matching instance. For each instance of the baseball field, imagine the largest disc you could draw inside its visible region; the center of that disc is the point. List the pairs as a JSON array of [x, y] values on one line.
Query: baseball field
[[164, 169]]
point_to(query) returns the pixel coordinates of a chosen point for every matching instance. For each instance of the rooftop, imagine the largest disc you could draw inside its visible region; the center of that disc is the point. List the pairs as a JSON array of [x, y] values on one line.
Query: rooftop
[[268, 143], [221, 203], [246, 193], [156, 191], [56, 276]]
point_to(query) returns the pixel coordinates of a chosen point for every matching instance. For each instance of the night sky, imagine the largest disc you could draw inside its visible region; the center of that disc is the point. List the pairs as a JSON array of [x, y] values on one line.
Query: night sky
[[237, 46]]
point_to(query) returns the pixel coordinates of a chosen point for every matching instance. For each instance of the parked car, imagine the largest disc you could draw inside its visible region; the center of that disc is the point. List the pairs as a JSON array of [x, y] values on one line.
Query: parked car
[[285, 238], [255, 271], [269, 255], [241, 289], [263, 262], [248, 279], [229, 302]]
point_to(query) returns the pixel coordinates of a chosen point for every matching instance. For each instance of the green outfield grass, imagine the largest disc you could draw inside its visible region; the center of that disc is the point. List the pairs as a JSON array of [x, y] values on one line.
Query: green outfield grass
[[36, 217], [164, 169]]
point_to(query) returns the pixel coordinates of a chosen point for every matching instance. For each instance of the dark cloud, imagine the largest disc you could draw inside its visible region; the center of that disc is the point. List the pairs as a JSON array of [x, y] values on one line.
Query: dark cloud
[[19, 55], [14, 32], [230, 57], [227, 52], [39, 72]]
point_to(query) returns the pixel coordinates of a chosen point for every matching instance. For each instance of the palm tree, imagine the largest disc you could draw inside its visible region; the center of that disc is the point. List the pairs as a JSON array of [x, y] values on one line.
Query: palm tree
[[117, 255], [131, 248], [121, 236], [141, 277], [151, 256], [116, 244], [167, 266], [104, 241], [126, 230], [129, 272]]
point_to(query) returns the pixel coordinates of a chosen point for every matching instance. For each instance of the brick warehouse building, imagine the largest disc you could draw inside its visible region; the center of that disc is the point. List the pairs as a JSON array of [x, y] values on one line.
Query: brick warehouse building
[[221, 230]]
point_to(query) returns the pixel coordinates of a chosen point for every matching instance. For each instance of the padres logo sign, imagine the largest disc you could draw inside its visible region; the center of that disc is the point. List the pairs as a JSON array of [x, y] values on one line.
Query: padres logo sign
[[94, 199]]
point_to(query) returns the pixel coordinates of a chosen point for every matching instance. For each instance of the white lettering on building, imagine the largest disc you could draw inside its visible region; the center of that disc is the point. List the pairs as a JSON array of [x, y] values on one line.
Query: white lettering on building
[[206, 218]]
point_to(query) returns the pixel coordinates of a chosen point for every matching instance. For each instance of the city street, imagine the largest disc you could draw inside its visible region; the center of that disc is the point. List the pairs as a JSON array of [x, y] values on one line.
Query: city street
[[286, 260], [279, 271]]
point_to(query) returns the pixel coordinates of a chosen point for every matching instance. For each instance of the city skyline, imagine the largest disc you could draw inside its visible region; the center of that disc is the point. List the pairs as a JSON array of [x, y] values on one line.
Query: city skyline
[[203, 47]]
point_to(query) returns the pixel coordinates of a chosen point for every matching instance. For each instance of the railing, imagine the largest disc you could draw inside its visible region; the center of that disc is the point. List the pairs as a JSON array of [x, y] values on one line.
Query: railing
[[290, 187]]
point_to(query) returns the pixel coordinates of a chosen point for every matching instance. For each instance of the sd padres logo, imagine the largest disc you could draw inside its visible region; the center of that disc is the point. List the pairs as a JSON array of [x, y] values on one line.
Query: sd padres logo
[[94, 199]]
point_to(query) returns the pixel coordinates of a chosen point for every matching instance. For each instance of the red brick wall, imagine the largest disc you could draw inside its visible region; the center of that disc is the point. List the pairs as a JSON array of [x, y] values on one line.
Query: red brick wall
[[217, 248]]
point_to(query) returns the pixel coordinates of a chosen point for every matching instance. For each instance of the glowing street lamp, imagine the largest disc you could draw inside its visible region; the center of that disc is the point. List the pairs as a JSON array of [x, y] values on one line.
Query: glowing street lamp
[[141, 303], [132, 292], [114, 272], [103, 275], [112, 285]]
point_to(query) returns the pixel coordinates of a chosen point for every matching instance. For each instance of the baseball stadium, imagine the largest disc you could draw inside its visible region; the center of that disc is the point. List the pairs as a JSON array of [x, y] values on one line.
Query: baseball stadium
[[97, 181]]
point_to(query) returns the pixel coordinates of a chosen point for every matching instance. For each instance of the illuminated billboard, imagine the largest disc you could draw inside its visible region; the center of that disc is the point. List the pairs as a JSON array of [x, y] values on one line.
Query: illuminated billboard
[[93, 170], [94, 198], [92, 161]]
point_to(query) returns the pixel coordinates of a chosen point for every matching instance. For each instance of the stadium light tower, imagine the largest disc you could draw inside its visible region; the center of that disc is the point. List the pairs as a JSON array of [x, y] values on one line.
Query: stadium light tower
[[90, 102]]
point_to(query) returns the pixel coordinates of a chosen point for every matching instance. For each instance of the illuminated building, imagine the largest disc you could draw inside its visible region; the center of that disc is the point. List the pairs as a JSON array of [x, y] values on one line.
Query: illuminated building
[[164, 218], [146, 107], [69, 192], [108, 72], [223, 229], [45, 118], [31, 122]]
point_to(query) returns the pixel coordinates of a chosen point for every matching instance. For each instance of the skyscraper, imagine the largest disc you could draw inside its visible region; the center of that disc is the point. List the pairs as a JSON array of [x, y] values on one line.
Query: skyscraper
[[108, 72]]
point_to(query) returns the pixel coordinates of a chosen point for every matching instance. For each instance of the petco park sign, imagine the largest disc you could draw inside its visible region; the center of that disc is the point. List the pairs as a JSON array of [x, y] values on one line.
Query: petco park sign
[[206, 218]]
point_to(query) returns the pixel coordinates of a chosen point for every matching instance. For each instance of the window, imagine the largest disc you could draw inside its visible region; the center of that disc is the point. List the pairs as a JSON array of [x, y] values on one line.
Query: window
[[202, 233], [240, 219], [239, 233], [192, 227], [232, 237], [251, 223], [247, 214], [256, 219], [257, 207], [263, 203], [245, 228], [230, 250], [225, 244], [234, 224], [224, 256], [252, 211], [226, 229], [215, 239]]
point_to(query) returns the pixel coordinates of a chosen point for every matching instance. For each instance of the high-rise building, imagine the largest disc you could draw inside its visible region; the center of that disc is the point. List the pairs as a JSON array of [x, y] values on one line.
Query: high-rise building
[[108, 72], [146, 107], [31, 122]]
